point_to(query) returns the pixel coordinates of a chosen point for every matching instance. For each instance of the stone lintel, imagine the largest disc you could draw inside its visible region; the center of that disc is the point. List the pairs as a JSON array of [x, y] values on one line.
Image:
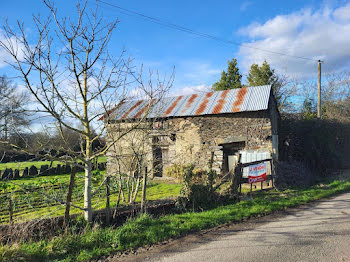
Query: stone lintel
[[234, 139], [215, 148]]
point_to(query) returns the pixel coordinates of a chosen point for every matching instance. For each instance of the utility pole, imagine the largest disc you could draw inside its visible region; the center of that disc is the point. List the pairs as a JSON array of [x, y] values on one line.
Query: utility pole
[[319, 91]]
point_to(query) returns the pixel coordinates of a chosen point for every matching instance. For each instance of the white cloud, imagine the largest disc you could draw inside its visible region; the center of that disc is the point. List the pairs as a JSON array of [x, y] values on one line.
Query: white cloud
[[3, 58], [187, 90], [11, 43], [318, 34], [194, 75], [198, 71], [137, 94], [342, 13]]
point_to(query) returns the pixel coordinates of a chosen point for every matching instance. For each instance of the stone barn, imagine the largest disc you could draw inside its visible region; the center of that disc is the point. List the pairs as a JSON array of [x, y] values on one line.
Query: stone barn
[[193, 129]]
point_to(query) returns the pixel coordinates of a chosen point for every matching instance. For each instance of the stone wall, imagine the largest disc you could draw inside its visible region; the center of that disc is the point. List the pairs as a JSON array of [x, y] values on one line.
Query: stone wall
[[131, 147], [198, 137], [194, 139]]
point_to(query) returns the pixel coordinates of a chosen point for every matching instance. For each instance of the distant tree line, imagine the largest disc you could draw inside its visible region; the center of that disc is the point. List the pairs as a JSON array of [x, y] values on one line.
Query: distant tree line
[[294, 96], [41, 146], [22, 146]]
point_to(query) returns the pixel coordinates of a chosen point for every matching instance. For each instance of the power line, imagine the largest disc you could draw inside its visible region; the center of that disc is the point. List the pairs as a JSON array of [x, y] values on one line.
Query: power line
[[193, 32]]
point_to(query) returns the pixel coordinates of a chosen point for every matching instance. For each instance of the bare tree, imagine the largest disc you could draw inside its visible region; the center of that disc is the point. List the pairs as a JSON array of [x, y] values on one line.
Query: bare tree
[[336, 86], [13, 115], [285, 89], [336, 96], [74, 78], [335, 93], [133, 155]]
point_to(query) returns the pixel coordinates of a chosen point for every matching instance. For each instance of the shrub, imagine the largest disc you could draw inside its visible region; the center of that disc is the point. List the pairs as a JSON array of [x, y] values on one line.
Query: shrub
[[321, 144], [293, 174], [197, 189]]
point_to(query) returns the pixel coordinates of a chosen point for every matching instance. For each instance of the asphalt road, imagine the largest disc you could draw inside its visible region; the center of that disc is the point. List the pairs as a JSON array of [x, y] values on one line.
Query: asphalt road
[[320, 232]]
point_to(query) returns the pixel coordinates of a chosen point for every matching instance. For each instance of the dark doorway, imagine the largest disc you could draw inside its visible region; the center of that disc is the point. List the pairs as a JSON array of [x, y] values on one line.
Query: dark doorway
[[231, 155], [157, 158]]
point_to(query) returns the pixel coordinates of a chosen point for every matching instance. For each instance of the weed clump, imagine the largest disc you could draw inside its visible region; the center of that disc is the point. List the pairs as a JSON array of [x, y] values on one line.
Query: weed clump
[[197, 192]]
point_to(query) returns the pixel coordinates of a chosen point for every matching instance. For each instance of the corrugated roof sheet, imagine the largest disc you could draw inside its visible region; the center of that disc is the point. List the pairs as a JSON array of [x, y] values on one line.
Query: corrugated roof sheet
[[253, 98]]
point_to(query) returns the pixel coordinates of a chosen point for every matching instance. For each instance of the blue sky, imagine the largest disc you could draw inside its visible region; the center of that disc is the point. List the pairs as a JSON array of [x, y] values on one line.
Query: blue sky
[[315, 29]]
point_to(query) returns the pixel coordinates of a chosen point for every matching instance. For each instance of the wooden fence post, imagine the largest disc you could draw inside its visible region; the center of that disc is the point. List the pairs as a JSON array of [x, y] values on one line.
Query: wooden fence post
[[69, 196], [237, 177], [10, 210], [236, 180], [143, 201], [108, 209]]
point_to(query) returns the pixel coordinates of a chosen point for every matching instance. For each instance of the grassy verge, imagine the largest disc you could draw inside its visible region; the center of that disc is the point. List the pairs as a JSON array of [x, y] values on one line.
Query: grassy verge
[[145, 230]]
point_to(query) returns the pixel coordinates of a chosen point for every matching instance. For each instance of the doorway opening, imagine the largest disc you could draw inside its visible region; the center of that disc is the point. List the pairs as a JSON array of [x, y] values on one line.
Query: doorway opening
[[230, 157], [157, 158]]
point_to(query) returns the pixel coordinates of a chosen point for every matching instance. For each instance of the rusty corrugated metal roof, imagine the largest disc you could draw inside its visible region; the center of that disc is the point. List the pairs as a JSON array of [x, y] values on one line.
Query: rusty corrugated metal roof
[[254, 98]]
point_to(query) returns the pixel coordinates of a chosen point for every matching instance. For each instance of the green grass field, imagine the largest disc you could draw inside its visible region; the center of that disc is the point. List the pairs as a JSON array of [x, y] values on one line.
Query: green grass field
[[35, 197], [23, 165]]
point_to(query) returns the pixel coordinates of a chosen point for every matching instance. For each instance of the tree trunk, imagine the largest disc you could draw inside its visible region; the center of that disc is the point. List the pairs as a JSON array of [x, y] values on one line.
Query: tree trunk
[[117, 202], [5, 129], [144, 186], [236, 180], [108, 209], [132, 187], [87, 192], [10, 210], [136, 189], [128, 187], [121, 188]]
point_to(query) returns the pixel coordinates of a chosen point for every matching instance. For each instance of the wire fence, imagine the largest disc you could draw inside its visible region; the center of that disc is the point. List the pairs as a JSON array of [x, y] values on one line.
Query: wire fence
[[22, 202]]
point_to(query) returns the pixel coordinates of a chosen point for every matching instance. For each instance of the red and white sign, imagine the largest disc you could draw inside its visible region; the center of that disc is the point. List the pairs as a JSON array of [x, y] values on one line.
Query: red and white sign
[[257, 173]]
